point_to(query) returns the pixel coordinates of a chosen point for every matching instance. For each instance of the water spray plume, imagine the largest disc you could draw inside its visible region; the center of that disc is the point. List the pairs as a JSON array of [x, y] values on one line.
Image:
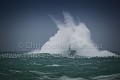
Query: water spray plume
[[72, 37]]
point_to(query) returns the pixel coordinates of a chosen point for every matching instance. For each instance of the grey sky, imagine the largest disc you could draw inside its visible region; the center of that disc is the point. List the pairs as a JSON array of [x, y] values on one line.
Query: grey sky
[[28, 21]]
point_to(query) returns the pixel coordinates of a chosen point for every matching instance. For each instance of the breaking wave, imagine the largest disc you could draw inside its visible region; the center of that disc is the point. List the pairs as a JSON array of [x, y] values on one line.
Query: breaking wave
[[72, 38]]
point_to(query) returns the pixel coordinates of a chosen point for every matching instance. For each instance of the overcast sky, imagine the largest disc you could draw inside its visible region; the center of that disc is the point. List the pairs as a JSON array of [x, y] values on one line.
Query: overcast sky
[[28, 21]]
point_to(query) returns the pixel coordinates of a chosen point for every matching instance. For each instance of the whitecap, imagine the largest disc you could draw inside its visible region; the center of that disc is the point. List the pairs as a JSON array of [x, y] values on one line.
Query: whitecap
[[69, 78]]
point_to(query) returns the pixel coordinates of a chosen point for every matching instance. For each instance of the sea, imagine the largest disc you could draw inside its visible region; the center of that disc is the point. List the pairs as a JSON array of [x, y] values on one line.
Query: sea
[[59, 68]]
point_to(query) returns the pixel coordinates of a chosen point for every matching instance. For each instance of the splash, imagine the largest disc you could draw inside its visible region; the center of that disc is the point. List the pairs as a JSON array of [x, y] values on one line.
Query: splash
[[72, 39]]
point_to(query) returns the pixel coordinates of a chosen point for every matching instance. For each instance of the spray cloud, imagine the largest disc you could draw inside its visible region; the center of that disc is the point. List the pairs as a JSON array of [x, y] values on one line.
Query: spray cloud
[[71, 36]]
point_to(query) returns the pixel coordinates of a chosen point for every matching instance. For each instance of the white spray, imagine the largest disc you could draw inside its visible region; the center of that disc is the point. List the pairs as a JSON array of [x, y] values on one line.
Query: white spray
[[71, 36]]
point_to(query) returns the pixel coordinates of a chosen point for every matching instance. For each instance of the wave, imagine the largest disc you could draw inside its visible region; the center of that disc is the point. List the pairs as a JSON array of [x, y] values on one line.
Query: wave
[[101, 77], [72, 38], [69, 78]]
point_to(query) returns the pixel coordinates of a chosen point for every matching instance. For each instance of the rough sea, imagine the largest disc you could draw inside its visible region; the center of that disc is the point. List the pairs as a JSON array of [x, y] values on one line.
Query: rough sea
[[59, 68]]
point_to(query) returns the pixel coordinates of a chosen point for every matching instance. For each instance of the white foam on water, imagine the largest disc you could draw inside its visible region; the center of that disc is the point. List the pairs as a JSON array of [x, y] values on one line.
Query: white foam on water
[[107, 77], [15, 71], [39, 73], [101, 77], [69, 78], [71, 36], [54, 65]]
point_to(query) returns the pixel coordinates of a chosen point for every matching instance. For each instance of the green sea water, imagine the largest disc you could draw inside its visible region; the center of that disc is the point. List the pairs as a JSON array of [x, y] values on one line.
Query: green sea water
[[59, 68]]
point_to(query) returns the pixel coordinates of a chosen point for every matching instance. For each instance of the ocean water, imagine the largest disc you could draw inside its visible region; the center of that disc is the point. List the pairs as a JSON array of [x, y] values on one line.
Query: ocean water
[[60, 68]]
